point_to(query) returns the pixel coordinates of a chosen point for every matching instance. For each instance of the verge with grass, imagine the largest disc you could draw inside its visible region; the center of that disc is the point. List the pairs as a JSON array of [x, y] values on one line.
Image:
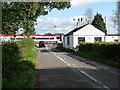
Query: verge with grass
[[106, 53]]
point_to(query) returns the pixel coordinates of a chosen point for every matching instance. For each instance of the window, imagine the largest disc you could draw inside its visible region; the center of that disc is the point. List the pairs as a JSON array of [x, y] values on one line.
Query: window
[[60, 38], [81, 39], [12, 38], [68, 40], [97, 39], [51, 38], [115, 40], [19, 38], [57, 37], [44, 38]]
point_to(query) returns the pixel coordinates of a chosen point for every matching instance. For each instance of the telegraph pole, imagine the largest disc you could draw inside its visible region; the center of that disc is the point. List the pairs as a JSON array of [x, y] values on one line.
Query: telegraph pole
[[74, 22]]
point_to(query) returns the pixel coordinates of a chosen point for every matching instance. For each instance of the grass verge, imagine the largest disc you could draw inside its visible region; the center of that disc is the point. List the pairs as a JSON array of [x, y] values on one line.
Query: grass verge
[[109, 61], [91, 56]]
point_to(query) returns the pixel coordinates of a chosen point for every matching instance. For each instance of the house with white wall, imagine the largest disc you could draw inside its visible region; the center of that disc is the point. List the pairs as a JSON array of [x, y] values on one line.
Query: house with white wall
[[85, 33], [112, 38]]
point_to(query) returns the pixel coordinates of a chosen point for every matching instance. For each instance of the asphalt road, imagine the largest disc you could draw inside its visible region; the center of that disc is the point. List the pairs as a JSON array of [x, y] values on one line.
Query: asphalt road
[[65, 70]]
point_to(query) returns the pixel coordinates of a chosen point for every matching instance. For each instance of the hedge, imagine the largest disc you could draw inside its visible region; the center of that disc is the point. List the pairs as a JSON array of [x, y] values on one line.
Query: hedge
[[102, 50], [18, 64], [110, 50]]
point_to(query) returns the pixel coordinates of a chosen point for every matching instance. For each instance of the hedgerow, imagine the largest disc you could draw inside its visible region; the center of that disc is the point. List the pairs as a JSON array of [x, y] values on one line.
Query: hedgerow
[[18, 64], [103, 50]]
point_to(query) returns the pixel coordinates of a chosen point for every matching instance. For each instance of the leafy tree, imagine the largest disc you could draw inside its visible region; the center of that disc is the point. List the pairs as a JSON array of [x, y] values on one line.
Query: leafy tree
[[23, 14], [98, 22], [118, 16], [29, 27]]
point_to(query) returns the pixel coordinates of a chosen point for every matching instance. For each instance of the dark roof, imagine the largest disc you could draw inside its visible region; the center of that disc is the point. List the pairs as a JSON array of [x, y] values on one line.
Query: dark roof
[[74, 30]]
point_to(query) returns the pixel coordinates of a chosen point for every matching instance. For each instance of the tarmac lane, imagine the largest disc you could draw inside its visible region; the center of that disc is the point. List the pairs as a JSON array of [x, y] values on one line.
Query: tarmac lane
[[64, 70]]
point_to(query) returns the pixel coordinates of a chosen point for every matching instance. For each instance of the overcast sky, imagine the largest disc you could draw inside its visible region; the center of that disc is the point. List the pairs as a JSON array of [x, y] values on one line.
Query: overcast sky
[[63, 19]]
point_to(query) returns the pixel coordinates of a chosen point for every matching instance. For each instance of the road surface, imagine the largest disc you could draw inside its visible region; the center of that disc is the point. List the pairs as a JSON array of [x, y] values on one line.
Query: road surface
[[64, 70]]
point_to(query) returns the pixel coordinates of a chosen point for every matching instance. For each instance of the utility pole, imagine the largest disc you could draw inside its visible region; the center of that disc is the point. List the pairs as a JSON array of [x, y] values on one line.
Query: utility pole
[[105, 20], [74, 22], [55, 27]]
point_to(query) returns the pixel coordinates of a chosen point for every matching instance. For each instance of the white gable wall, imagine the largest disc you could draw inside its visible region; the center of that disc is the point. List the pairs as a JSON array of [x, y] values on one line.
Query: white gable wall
[[71, 41], [65, 43]]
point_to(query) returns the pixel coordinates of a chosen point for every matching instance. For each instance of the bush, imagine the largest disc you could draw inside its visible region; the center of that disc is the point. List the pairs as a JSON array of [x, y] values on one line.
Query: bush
[[18, 59], [103, 50], [110, 50], [27, 48]]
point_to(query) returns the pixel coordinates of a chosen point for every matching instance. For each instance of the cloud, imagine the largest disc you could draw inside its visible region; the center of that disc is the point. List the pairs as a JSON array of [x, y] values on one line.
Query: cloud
[[63, 25], [47, 25], [76, 3]]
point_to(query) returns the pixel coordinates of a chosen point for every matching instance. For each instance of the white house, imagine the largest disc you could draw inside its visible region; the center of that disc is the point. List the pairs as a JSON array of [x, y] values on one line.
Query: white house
[[85, 33], [112, 38]]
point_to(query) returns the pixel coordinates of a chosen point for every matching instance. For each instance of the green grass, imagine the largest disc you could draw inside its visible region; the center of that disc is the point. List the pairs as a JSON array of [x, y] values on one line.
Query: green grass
[[91, 56]]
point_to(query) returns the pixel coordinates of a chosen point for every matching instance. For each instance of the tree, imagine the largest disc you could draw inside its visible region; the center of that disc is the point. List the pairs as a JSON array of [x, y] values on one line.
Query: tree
[[118, 16], [23, 14], [89, 14], [98, 22]]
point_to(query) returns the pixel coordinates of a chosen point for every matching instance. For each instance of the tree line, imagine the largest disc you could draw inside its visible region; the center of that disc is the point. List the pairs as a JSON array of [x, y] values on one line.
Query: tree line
[[17, 15]]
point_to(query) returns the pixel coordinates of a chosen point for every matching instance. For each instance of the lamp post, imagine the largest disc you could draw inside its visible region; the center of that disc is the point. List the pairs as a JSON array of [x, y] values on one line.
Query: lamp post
[[84, 19]]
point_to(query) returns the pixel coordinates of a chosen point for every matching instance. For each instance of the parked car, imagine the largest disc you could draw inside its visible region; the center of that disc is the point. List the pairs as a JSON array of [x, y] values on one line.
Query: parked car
[[41, 44]]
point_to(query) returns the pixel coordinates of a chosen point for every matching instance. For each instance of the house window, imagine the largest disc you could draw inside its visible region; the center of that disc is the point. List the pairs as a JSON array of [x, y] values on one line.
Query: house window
[[68, 40], [116, 40], [81, 39], [97, 39]]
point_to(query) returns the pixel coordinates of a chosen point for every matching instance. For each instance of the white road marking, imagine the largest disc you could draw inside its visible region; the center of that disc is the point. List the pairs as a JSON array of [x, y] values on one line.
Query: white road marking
[[62, 60], [82, 72], [94, 79], [68, 64]]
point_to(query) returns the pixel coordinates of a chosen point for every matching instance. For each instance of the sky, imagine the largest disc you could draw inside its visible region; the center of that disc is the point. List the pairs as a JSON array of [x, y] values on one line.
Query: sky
[[63, 19]]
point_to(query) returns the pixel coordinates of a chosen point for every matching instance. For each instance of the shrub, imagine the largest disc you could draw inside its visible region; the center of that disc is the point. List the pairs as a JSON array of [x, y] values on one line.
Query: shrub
[[28, 50], [18, 59], [102, 50], [111, 50]]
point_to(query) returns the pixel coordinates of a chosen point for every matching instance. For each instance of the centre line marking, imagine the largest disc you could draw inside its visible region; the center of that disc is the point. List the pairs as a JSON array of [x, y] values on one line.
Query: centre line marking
[[83, 73], [62, 60]]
